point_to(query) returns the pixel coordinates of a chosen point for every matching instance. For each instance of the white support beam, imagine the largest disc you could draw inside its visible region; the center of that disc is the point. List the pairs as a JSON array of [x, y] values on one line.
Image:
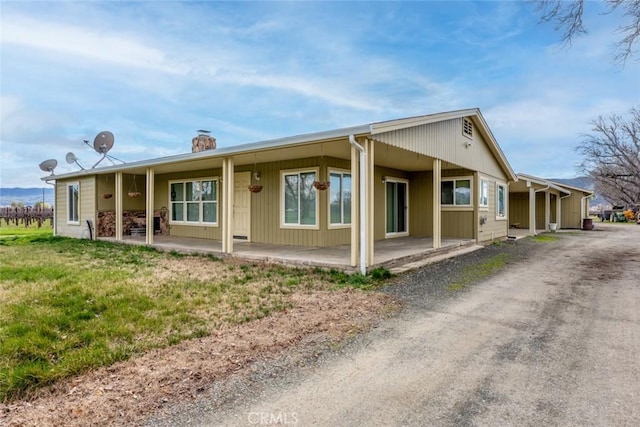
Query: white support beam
[[118, 197], [547, 209], [149, 205], [559, 211], [437, 213], [532, 211], [355, 202], [227, 205], [370, 186]]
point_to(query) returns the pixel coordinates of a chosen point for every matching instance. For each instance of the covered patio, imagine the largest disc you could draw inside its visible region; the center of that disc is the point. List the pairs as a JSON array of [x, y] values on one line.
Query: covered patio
[[389, 253]]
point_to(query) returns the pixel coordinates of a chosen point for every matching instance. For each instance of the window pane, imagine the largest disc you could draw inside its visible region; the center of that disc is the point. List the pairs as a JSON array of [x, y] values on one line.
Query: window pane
[[307, 198], [209, 212], [401, 207], [177, 191], [335, 198], [447, 193], [391, 211], [291, 199], [208, 190], [501, 201], [193, 191], [193, 213], [346, 198], [463, 192], [72, 198], [177, 213], [484, 193]]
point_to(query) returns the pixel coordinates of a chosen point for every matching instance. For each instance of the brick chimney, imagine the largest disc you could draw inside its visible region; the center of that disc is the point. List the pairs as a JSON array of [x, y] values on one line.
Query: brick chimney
[[203, 141]]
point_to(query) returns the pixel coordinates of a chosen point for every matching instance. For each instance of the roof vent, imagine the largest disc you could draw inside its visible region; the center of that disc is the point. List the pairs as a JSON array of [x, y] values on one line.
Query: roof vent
[[203, 141], [467, 128]]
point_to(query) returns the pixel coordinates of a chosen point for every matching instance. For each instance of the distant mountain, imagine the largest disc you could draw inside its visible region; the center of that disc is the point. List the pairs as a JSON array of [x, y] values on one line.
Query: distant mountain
[[28, 196]]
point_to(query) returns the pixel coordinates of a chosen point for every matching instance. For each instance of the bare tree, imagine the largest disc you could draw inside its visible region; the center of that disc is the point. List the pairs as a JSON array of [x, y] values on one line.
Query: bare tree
[[612, 157], [568, 15]]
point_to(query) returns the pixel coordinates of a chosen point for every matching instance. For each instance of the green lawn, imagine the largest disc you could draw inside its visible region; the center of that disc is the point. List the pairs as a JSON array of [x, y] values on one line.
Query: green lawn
[[68, 305]]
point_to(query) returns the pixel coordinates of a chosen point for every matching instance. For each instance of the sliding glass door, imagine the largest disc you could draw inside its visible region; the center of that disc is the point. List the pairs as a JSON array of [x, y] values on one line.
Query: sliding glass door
[[397, 196]]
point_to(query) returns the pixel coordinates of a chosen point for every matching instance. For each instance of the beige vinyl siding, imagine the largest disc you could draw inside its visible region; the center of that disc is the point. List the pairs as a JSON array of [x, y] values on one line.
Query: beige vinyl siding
[[266, 210], [106, 184], [493, 228], [86, 207], [421, 199], [444, 140], [458, 224], [571, 211], [519, 209]]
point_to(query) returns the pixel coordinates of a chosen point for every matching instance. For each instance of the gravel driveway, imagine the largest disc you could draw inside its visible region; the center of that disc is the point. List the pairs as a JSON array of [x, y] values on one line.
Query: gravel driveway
[[552, 339]]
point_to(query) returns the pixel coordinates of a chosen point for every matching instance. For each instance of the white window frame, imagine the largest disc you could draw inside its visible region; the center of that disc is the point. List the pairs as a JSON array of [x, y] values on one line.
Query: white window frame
[[342, 173], [483, 193], [200, 222], [455, 206], [407, 219], [506, 201], [70, 219], [283, 223]]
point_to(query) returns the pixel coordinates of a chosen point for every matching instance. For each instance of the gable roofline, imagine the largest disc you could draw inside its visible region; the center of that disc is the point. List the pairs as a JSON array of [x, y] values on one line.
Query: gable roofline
[[483, 127], [542, 181], [574, 188]]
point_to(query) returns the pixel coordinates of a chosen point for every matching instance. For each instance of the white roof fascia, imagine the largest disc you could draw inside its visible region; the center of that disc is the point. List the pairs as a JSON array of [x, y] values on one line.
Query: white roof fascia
[[542, 181], [222, 152], [571, 187]]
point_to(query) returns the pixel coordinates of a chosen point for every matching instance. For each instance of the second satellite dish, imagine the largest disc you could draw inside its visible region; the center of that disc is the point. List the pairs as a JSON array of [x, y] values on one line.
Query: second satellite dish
[[71, 158], [103, 142]]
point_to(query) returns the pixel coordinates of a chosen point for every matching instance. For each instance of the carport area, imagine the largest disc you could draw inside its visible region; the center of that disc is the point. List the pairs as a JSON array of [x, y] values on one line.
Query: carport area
[[388, 252]]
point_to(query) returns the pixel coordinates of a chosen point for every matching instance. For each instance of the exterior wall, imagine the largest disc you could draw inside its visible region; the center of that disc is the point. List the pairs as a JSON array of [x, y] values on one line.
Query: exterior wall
[[493, 228], [571, 211], [458, 222], [540, 225], [265, 206], [421, 203], [519, 209], [86, 207], [444, 140]]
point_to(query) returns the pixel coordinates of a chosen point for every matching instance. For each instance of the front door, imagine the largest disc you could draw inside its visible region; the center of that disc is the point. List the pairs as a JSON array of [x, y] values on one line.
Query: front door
[[397, 200], [241, 205]]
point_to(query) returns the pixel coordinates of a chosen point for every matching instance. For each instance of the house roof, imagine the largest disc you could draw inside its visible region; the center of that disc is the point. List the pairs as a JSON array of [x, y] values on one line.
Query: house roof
[[563, 188], [304, 139]]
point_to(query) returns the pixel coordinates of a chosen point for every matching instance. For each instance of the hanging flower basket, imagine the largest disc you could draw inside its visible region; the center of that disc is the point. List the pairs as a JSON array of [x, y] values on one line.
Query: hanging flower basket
[[107, 195], [255, 188], [134, 194], [321, 185]]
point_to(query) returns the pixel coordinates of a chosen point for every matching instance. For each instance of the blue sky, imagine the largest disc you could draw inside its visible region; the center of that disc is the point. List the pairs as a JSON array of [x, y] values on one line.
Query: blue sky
[[155, 72]]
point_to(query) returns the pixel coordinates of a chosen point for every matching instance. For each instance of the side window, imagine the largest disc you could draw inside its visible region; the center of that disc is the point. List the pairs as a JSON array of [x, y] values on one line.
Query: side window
[[456, 192], [501, 201], [484, 193], [299, 201], [339, 198], [73, 203]]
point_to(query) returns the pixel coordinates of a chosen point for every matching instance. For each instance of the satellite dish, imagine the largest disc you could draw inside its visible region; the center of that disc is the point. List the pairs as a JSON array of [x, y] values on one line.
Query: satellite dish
[[71, 158], [103, 142], [48, 165]]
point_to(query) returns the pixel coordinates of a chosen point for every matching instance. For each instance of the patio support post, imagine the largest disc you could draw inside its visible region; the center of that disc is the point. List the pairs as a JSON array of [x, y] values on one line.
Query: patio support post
[[118, 196], [227, 206], [355, 197], [149, 205], [437, 218], [532, 210], [558, 210], [370, 186], [547, 210], [362, 211]]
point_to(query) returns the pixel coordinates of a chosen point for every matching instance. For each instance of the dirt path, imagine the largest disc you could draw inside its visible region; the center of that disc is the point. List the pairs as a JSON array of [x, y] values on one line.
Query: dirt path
[[551, 341]]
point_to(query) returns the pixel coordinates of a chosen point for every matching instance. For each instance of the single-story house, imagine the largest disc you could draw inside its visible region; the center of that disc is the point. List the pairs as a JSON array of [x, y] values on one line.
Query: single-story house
[[539, 204], [354, 187]]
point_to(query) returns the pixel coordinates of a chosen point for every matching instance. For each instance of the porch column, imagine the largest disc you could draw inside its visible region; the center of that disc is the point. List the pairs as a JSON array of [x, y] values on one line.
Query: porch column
[[437, 218], [558, 210], [355, 202], [118, 196], [150, 203], [227, 206], [547, 209], [532, 210], [370, 186]]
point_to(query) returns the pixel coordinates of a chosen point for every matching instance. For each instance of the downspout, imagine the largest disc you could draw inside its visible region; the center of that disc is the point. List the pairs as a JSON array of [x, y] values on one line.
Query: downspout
[[582, 207], [363, 226]]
